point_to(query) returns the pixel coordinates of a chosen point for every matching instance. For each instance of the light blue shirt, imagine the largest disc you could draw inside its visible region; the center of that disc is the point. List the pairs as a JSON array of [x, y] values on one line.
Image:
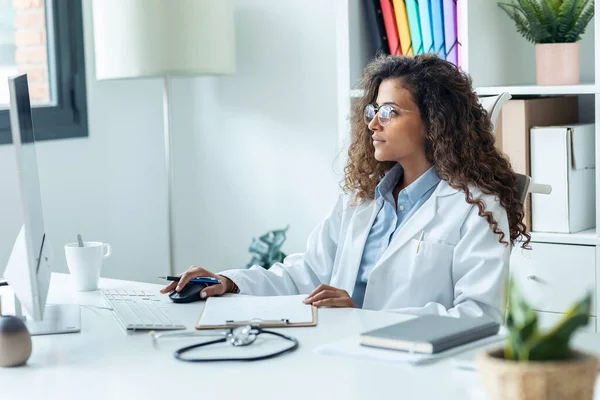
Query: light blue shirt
[[390, 219]]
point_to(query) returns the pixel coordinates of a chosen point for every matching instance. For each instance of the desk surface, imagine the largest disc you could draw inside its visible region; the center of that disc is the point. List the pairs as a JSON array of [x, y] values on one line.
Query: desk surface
[[105, 362]]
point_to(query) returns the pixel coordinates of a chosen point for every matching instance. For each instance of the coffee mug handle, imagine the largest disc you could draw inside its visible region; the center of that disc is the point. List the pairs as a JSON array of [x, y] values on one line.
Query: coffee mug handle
[[108, 250]]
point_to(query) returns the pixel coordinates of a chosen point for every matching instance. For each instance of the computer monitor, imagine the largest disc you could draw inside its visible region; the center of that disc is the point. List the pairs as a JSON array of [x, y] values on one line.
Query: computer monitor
[[29, 266]]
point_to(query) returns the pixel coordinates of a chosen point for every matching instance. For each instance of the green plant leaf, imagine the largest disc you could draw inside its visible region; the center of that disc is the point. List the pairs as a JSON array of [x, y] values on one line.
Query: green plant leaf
[[515, 13], [531, 9], [550, 21], [572, 35], [519, 309], [554, 4], [534, 15], [520, 335], [555, 344], [581, 24], [566, 13], [550, 13], [521, 322]]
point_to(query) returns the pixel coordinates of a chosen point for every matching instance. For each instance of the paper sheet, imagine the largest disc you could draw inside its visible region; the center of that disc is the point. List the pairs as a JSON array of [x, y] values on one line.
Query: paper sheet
[[351, 347], [219, 310]]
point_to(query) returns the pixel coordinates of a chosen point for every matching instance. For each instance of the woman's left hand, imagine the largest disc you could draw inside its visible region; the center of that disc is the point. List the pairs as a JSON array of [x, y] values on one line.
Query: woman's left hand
[[328, 296]]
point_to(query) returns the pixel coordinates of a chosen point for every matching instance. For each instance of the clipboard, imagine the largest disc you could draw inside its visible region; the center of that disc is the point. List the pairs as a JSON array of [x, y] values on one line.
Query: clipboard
[[253, 302]]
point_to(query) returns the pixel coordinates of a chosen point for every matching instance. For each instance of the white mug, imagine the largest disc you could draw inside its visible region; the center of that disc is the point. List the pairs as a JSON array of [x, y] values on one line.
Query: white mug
[[85, 263]]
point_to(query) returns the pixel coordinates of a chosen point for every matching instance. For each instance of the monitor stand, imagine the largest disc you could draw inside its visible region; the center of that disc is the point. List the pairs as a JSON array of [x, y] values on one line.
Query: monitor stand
[[58, 318]]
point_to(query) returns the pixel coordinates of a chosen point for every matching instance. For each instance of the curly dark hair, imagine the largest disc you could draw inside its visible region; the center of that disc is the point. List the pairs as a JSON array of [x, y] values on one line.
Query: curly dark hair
[[459, 136]]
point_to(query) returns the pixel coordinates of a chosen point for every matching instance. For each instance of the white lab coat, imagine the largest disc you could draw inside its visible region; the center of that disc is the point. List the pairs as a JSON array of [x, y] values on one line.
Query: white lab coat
[[460, 268]]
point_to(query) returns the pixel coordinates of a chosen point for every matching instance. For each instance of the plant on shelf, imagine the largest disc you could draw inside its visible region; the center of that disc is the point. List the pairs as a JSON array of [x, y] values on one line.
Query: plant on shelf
[[555, 27], [266, 250], [537, 364]]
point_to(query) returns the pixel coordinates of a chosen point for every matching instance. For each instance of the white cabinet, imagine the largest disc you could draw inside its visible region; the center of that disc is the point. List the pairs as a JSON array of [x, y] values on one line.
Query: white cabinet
[[547, 320], [554, 276], [561, 267]]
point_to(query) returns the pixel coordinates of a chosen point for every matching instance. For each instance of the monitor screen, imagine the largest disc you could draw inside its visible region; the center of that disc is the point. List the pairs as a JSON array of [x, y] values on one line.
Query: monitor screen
[[32, 279]]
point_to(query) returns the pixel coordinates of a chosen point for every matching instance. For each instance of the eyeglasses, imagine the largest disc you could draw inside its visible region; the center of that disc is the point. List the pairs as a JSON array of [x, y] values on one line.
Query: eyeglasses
[[385, 112]]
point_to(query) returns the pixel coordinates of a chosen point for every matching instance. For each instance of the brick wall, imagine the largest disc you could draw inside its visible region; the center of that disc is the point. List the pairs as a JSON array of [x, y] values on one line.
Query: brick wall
[[31, 53]]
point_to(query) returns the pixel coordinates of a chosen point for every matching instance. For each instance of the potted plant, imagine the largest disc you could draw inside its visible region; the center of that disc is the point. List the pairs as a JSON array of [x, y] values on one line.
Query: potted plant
[[555, 27], [539, 365], [266, 250]]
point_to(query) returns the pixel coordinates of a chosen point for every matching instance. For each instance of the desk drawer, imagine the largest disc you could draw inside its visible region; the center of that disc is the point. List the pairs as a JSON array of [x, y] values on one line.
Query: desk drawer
[[554, 276], [546, 321]]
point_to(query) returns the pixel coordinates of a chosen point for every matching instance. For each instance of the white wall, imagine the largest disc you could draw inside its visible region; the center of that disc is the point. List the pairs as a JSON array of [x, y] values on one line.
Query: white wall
[[264, 140], [252, 152], [109, 186]]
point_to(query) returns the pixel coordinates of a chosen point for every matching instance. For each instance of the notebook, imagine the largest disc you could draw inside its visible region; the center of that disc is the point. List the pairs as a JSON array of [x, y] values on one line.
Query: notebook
[[430, 334], [266, 311]]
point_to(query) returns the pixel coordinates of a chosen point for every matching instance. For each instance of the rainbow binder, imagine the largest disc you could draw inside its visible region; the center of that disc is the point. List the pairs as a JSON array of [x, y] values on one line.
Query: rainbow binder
[[391, 28], [414, 23], [437, 26], [450, 31], [458, 33], [426, 25], [403, 29]]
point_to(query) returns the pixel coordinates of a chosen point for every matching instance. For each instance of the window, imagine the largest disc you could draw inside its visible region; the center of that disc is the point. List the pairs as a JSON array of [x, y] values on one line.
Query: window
[[44, 38]]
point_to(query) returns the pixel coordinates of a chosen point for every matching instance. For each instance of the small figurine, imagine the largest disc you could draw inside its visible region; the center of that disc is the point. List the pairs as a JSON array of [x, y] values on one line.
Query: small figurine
[[15, 341]]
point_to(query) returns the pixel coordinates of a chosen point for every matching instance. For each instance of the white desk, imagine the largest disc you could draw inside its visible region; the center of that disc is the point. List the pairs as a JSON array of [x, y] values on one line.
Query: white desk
[[105, 362]]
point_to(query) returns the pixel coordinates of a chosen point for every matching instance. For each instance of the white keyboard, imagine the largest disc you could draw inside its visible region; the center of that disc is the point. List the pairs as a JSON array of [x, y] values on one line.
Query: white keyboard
[[140, 309]]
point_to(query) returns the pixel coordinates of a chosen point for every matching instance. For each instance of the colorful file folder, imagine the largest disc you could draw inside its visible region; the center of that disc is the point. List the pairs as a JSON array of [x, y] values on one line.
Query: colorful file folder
[[459, 32], [426, 25], [403, 28], [391, 28], [437, 26], [376, 26], [414, 23], [450, 38]]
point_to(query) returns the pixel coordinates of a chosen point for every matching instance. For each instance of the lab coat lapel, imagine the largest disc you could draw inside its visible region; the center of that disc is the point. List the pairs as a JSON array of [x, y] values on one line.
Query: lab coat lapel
[[413, 227], [358, 233]]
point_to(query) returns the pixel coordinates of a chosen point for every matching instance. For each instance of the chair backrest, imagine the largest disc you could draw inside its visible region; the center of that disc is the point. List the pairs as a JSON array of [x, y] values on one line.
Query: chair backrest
[[493, 105]]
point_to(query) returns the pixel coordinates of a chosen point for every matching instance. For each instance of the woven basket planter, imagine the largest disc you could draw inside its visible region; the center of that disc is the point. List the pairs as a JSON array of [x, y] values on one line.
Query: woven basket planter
[[571, 379]]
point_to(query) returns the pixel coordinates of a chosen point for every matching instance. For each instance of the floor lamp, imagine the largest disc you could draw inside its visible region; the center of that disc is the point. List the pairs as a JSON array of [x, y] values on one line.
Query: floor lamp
[[163, 38]]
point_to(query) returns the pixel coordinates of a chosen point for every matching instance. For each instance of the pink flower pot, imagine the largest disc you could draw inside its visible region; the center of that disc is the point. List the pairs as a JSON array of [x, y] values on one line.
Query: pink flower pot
[[557, 63]]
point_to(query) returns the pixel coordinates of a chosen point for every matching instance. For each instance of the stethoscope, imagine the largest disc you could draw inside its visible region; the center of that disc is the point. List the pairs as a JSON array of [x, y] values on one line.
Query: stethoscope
[[239, 336]]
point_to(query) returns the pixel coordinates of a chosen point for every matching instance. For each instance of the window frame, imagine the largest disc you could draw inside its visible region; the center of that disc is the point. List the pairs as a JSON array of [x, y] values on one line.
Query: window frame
[[67, 117]]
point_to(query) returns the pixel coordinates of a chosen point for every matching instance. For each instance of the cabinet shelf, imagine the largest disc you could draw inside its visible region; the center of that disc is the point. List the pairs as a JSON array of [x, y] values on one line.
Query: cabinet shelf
[[587, 237], [523, 90]]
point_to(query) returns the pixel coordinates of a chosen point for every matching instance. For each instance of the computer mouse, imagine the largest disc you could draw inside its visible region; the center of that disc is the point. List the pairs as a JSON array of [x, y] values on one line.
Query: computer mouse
[[189, 293]]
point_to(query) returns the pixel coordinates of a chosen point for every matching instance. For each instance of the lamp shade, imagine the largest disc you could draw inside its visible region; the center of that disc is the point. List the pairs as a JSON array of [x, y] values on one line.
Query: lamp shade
[[145, 38]]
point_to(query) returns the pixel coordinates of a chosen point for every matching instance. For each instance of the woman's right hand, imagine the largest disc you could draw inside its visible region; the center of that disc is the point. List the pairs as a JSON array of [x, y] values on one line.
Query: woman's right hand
[[192, 272]]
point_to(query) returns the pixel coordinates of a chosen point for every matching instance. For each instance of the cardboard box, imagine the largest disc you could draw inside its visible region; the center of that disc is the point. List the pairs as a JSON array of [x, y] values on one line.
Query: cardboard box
[[516, 120], [564, 157]]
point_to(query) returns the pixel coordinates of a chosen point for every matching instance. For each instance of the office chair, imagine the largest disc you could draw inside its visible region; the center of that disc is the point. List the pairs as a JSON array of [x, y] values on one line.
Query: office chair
[[493, 105]]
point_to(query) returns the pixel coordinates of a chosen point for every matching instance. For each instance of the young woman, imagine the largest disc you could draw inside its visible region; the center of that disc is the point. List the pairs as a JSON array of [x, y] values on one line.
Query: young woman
[[429, 213]]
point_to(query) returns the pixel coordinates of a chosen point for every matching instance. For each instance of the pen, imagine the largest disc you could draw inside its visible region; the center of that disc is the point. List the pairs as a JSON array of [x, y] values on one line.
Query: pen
[[196, 280], [420, 239]]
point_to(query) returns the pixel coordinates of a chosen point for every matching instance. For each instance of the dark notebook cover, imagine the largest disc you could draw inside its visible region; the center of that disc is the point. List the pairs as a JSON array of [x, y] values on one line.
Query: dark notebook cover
[[430, 333], [376, 27]]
